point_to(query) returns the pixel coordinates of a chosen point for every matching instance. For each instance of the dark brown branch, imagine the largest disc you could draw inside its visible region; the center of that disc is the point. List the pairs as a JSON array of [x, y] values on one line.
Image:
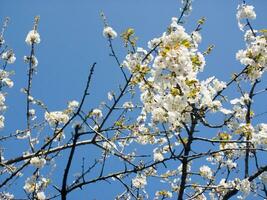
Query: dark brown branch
[[187, 150], [66, 171], [113, 54], [248, 121]]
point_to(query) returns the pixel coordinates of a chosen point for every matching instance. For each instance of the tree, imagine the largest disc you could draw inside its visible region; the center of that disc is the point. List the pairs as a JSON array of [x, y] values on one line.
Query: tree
[[148, 149]]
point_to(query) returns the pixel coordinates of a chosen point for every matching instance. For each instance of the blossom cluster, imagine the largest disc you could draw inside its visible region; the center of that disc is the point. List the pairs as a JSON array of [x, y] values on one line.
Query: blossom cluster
[[254, 57], [244, 11], [36, 186], [170, 87], [175, 104], [56, 118], [224, 186], [8, 57]]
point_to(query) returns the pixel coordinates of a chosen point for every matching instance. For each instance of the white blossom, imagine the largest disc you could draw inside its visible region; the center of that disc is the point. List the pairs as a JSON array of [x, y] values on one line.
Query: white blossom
[[34, 184], [56, 117], [32, 112], [259, 136], [97, 113], [206, 172], [109, 145], [254, 57], [2, 40], [153, 43], [2, 102], [244, 11], [244, 187], [226, 111], [230, 164], [38, 162], [72, 105], [187, 6], [128, 105], [6, 196], [109, 32], [196, 36], [8, 82], [158, 156], [249, 36], [139, 181], [263, 177], [32, 59], [33, 37], [163, 194], [9, 56], [40, 196], [110, 95], [2, 123], [30, 185]]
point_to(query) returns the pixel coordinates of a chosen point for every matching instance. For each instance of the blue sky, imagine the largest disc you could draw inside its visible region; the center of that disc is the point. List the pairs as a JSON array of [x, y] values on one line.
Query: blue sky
[[71, 40]]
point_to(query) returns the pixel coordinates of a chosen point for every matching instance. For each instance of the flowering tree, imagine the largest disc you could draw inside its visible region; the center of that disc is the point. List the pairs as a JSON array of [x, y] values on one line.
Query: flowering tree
[[155, 140]]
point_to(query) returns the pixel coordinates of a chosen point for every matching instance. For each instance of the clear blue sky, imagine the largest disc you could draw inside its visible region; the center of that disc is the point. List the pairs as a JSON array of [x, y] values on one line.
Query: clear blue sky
[[71, 40]]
